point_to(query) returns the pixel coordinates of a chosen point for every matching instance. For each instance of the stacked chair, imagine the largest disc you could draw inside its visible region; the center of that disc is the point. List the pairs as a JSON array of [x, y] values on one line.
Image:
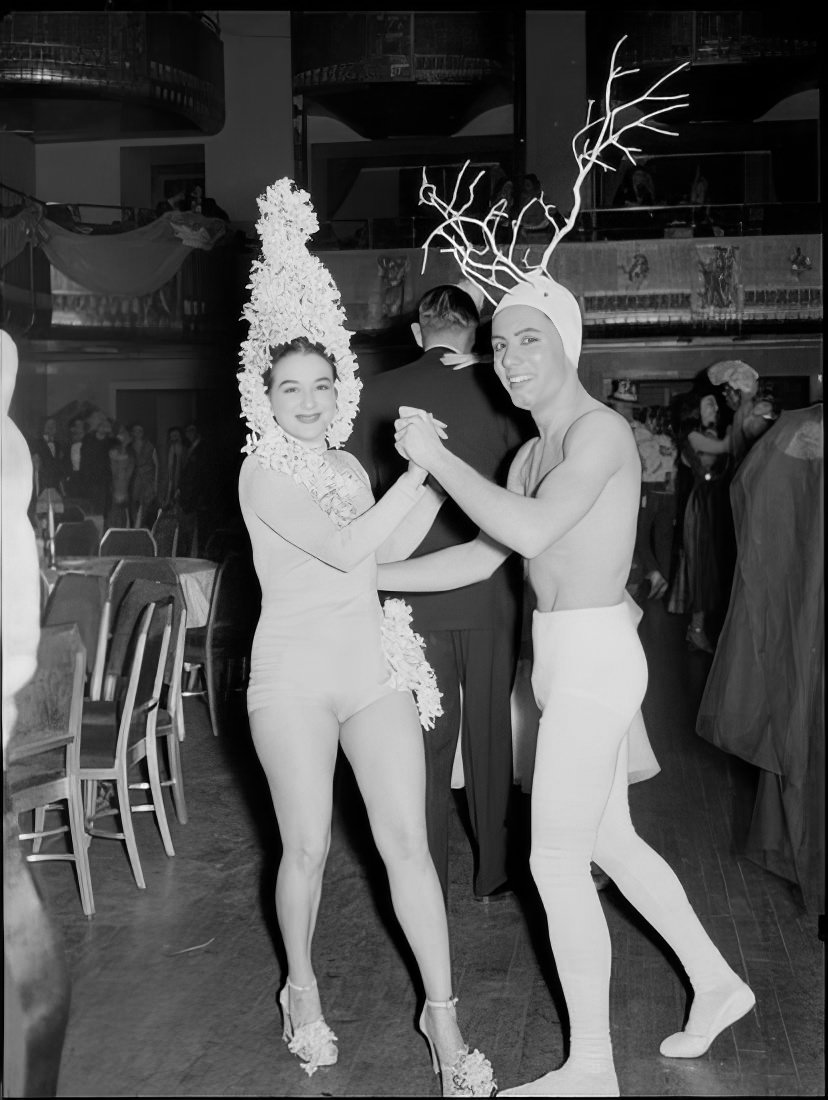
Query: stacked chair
[[77, 540], [42, 774], [119, 732], [85, 600], [124, 542], [130, 714], [147, 569], [214, 651], [169, 720]]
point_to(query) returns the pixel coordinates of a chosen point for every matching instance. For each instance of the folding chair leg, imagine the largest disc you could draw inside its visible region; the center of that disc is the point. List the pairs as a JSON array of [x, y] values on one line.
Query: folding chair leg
[[80, 846], [90, 790], [178, 720], [157, 792], [212, 694], [125, 811], [176, 775], [39, 826]]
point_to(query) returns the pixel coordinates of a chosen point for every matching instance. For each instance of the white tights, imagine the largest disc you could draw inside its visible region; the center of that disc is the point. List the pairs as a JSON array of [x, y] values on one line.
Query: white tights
[[589, 679]]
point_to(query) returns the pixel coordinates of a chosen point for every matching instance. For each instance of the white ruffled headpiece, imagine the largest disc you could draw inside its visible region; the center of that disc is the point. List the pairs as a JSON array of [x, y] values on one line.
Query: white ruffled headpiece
[[291, 294], [735, 373]]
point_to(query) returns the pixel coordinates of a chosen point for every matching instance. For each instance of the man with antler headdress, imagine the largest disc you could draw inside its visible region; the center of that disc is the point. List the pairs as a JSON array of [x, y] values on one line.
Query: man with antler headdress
[[570, 510]]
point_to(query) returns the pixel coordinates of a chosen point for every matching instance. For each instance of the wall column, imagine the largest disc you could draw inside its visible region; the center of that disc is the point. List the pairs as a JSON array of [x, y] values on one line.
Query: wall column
[[556, 100]]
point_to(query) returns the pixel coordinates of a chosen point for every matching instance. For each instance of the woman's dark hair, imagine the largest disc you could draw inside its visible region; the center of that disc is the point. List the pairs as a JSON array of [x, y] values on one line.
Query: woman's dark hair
[[303, 346], [703, 387], [686, 414]]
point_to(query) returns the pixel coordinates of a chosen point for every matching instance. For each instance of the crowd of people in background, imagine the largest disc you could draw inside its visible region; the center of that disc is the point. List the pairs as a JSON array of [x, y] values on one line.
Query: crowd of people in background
[[114, 471]]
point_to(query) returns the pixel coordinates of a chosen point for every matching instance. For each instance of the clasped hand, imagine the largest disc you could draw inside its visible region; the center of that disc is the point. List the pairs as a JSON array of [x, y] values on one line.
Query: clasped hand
[[417, 436]]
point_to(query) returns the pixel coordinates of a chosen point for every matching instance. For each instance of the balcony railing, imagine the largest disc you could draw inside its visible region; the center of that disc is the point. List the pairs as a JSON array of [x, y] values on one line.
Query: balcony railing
[[169, 64], [712, 37], [202, 300], [600, 224], [769, 280]]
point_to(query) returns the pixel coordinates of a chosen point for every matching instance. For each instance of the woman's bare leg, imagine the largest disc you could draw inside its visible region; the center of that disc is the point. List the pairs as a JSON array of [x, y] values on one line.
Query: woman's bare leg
[[297, 745], [384, 744]]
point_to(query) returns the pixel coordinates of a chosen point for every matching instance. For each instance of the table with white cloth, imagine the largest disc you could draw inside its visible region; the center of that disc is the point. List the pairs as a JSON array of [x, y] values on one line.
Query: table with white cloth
[[195, 576]]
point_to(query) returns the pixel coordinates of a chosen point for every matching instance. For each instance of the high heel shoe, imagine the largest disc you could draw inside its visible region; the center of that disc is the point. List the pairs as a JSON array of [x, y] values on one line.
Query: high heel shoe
[[469, 1074], [313, 1043], [697, 639]]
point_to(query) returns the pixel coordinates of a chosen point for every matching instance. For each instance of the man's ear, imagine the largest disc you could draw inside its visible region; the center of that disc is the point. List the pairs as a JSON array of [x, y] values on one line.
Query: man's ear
[[418, 333]]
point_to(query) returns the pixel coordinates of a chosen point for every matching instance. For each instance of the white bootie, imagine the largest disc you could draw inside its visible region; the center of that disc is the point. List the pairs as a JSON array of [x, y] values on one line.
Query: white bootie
[[569, 1081], [711, 1012]]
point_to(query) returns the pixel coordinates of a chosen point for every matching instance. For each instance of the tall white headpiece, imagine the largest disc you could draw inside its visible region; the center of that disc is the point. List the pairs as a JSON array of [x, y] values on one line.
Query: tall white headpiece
[[291, 294], [492, 266]]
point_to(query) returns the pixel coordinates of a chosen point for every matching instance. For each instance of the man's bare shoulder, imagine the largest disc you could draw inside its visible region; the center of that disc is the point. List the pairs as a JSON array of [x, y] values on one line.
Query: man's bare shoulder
[[598, 424]]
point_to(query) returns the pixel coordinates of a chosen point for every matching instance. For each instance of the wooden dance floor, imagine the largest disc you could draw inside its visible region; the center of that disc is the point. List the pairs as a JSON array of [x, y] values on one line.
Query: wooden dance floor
[[174, 988]]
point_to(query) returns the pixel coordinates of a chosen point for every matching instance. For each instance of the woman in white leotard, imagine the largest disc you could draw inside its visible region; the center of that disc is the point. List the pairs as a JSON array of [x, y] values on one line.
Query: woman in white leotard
[[319, 678]]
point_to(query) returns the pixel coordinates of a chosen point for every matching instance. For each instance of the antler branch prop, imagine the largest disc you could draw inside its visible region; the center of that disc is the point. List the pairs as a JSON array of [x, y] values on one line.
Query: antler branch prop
[[484, 263]]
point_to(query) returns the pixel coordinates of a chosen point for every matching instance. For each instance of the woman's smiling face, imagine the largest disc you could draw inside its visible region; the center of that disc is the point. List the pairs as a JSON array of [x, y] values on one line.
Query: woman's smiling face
[[303, 396]]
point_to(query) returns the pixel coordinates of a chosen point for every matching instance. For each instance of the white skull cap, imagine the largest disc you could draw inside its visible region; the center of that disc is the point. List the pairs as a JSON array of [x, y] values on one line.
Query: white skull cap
[[555, 302]]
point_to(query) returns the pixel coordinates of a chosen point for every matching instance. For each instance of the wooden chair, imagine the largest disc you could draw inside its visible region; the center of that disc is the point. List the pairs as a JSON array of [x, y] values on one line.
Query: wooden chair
[[43, 753], [145, 569], [170, 720], [84, 600], [127, 542], [114, 735], [235, 603], [78, 539], [170, 715]]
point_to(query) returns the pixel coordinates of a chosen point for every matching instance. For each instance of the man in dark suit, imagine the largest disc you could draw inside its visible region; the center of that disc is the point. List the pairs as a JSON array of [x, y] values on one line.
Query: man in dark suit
[[49, 457], [195, 489], [95, 468], [470, 633]]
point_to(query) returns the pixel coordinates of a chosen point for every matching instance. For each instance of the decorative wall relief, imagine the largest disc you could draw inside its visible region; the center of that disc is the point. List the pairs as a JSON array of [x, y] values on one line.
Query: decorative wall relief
[[719, 285], [637, 270], [392, 270], [800, 262]]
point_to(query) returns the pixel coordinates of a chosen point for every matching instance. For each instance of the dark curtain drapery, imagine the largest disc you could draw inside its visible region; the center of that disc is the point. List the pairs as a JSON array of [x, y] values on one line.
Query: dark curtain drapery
[[764, 700], [132, 264]]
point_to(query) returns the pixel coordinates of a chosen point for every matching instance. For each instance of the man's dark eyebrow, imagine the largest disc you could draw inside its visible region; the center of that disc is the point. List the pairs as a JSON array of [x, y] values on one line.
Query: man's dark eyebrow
[[520, 332]]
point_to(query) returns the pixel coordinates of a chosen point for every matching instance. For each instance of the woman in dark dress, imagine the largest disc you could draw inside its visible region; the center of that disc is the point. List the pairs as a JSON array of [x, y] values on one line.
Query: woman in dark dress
[[707, 540]]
